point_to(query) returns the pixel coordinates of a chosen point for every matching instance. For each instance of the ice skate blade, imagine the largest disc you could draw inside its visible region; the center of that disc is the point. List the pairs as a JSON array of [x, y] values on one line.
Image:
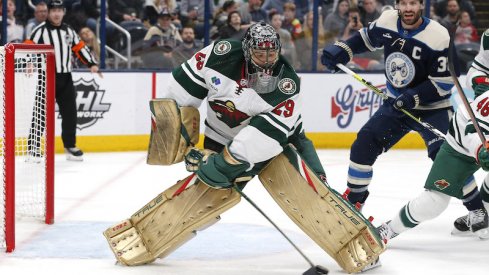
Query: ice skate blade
[[458, 233], [373, 265], [483, 234]]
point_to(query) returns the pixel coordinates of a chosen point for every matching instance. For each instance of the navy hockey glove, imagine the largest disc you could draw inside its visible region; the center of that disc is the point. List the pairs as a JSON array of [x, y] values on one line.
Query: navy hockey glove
[[480, 85], [407, 100], [336, 53], [483, 158]]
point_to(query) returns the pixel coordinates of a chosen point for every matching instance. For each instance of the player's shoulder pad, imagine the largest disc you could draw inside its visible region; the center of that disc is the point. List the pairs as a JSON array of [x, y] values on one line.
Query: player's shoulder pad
[[434, 36], [228, 50], [288, 85], [289, 75], [485, 40], [388, 20]]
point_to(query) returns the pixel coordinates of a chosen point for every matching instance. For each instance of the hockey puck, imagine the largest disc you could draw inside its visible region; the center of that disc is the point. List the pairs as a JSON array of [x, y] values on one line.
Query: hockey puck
[[316, 270]]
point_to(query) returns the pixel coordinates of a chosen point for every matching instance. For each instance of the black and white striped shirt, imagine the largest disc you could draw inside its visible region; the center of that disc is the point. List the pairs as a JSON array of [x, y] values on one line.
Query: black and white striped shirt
[[65, 40]]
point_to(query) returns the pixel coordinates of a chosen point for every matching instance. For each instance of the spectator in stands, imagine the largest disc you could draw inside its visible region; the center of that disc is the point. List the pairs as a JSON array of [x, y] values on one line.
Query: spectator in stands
[[466, 32], [370, 12], [153, 7], [91, 41], [221, 16], [187, 48], [288, 48], [159, 42], [40, 15], [354, 23], [301, 9], [327, 7], [466, 5], [164, 34], [277, 6], [15, 31], [192, 14], [233, 29], [433, 15], [451, 19], [252, 12], [126, 13], [304, 44], [336, 22], [291, 23]]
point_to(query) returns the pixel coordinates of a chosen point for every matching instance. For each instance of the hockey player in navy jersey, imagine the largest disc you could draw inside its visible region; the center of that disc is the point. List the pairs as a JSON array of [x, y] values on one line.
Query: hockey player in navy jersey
[[416, 67]]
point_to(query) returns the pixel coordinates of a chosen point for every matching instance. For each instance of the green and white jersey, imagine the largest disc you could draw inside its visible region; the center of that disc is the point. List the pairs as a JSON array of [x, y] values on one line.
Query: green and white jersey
[[255, 125], [481, 61], [462, 136]]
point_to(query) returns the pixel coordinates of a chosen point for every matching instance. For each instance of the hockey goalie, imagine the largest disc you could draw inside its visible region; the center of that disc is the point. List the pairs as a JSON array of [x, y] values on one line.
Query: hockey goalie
[[253, 105]]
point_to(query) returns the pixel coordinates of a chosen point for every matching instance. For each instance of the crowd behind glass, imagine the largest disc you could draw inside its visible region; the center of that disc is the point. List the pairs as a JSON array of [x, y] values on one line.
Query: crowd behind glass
[[167, 32]]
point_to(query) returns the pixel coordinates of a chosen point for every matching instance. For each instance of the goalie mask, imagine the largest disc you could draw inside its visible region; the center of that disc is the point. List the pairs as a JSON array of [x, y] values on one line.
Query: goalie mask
[[261, 49]]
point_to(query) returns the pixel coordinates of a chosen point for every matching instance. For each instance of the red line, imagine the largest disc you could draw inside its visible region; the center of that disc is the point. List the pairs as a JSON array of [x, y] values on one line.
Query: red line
[[308, 178], [184, 185], [153, 85], [77, 204]]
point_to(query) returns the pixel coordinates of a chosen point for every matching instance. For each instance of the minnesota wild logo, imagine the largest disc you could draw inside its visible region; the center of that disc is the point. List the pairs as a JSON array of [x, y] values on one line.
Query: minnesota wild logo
[[441, 184], [227, 112], [222, 47]]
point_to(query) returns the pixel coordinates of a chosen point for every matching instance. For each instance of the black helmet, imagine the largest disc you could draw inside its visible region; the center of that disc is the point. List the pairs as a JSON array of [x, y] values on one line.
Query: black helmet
[[53, 4]]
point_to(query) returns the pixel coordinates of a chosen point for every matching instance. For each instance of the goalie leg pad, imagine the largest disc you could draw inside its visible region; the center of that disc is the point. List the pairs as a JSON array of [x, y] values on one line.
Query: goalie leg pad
[[168, 221], [333, 223], [173, 130]]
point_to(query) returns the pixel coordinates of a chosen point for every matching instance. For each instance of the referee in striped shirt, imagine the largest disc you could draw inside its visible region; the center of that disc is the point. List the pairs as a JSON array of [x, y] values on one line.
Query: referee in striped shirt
[[65, 41]]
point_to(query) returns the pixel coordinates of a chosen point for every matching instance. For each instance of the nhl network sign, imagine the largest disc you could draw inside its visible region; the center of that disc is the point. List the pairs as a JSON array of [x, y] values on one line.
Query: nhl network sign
[[89, 105]]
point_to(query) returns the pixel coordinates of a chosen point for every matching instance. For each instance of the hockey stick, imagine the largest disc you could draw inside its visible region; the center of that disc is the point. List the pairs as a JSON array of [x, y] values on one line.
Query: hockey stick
[[462, 95], [384, 97], [315, 269]]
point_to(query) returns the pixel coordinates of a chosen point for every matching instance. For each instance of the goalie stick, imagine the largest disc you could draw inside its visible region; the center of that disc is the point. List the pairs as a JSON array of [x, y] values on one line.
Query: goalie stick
[[384, 96], [315, 269], [451, 69]]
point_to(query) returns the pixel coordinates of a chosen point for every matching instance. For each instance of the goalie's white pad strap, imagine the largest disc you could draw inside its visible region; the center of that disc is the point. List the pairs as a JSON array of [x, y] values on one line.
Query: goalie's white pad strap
[[173, 130], [320, 212], [168, 221]]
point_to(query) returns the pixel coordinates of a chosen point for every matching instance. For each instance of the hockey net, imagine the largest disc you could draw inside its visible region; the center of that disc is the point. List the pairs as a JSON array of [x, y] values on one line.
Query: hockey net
[[26, 137]]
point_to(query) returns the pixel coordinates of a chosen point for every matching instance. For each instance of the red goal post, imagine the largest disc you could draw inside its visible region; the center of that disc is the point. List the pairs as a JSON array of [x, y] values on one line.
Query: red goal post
[[27, 136]]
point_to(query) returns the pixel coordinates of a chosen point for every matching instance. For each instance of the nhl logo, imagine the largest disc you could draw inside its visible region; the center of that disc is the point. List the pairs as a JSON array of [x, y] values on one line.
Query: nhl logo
[[222, 47], [287, 86]]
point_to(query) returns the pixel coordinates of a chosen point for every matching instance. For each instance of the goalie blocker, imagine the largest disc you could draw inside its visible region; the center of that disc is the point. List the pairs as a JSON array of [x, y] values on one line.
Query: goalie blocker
[[174, 130], [330, 221]]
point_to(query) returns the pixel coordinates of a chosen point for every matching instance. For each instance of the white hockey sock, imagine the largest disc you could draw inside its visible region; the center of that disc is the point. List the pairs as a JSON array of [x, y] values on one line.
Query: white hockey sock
[[426, 206]]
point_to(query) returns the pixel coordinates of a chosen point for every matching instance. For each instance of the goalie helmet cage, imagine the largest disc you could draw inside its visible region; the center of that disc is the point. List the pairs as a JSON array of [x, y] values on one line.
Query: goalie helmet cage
[[26, 136]]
